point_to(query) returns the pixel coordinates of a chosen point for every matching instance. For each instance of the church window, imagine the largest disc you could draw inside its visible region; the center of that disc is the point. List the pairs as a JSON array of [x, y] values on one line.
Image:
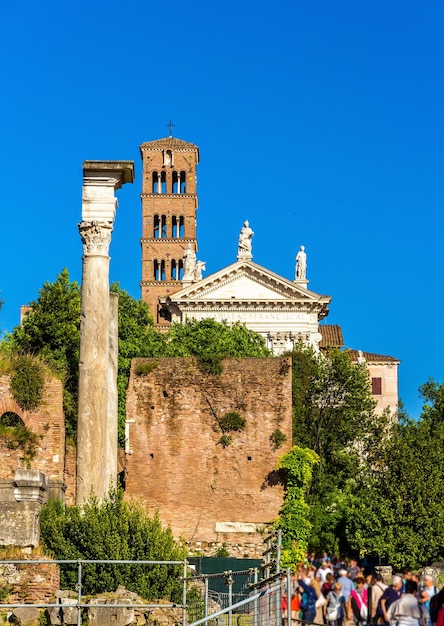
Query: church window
[[376, 386], [167, 158], [159, 270], [163, 183], [180, 270], [156, 229], [183, 184], [155, 182], [175, 183], [177, 226], [163, 227], [174, 269]]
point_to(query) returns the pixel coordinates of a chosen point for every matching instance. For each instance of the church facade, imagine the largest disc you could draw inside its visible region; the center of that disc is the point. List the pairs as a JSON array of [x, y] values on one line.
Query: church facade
[[284, 312]]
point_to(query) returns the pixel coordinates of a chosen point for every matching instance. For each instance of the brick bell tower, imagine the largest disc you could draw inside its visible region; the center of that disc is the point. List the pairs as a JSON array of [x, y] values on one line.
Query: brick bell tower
[[169, 205]]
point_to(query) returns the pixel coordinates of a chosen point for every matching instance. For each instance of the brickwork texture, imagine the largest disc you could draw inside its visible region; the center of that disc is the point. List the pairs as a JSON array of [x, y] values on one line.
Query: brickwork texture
[[176, 462]]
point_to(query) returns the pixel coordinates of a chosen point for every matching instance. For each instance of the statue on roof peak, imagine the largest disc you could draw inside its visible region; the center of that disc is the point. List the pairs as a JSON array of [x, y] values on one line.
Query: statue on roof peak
[[244, 245]]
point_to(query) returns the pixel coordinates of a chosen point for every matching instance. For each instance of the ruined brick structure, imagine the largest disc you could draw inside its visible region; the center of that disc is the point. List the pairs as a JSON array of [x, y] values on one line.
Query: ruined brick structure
[[208, 493], [48, 422]]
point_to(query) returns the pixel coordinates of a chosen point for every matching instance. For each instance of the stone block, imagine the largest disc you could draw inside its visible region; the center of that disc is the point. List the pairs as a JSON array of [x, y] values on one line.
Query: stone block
[[102, 613], [26, 616], [66, 613], [30, 486]]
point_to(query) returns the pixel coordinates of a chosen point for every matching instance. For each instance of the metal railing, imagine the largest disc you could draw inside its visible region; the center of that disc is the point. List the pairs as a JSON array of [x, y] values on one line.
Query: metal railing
[[79, 604], [230, 598]]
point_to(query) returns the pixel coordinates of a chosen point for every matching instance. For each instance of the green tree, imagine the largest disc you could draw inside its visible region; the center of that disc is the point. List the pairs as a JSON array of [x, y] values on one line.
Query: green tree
[[113, 529], [395, 511], [297, 468], [207, 338], [333, 415], [51, 329]]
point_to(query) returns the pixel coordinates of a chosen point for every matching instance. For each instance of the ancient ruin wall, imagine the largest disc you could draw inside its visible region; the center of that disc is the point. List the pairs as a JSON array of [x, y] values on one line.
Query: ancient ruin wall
[[47, 422], [176, 463]]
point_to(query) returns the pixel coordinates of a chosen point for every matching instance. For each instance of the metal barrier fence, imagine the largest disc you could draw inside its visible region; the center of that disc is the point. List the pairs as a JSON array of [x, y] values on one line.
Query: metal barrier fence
[[232, 598], [80, 605], [257, 603]]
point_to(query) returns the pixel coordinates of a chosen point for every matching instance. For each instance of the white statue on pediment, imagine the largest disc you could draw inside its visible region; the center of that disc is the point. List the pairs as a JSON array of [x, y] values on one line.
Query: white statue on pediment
[[301, 264], [245, 244], [200, 265]]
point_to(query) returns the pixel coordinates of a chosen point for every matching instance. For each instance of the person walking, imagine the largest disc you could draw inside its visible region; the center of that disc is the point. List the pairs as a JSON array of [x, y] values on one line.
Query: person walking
[[406, 611], [357, 602]]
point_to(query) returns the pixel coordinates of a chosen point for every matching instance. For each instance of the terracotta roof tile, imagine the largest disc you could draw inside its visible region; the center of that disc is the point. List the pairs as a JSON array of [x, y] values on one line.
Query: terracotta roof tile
[[169, 142], [370, 357], [331, 336]]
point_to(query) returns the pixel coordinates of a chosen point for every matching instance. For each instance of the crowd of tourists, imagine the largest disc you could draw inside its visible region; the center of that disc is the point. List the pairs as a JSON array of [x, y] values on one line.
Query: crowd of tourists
[[339, 593]]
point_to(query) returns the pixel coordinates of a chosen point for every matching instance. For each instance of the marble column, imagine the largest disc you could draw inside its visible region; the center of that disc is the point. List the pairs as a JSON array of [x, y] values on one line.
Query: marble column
[[97, 413]]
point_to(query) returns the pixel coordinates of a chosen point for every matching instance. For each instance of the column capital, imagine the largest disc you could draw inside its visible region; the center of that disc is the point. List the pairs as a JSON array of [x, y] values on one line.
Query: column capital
[[96, 237]]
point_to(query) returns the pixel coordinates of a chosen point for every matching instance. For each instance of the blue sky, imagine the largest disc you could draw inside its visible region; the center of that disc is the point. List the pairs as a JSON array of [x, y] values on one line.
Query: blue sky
[[319, 121]]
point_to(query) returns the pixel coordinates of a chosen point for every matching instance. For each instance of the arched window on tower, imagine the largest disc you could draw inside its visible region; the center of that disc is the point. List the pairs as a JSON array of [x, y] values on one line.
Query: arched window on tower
[[180, 270], [163, 227], [167, 158], [174, 269], [156, 227], [181, 227], [163, 183], [175, 182], [183, 182], [159, 270], [174, 227], [155, 182]]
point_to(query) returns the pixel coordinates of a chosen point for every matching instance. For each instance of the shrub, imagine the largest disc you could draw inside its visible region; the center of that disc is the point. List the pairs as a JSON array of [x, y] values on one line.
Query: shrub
[[142, 369], [277, 438], [232, 421], [211, 364], [16, 435], [113, 529], [225, 441], [27, 382]]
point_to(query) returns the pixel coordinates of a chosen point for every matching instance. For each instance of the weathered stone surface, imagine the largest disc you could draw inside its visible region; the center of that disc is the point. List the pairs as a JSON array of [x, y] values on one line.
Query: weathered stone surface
[[28, 616], [64, 614], [97, 414], [102, 613]]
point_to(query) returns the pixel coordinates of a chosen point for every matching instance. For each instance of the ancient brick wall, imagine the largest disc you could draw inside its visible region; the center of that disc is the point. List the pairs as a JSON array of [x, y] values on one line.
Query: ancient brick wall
[[175, 461], [29, 583], [70, 474], [47, 422]]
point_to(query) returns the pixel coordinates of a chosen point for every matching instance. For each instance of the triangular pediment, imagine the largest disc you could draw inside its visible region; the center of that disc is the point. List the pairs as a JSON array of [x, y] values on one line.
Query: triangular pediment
[[247, 282]]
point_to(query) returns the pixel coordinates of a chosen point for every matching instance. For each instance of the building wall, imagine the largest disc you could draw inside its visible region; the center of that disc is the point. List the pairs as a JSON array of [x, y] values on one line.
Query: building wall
[[388, 373], [206, 492], [47, 422]]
